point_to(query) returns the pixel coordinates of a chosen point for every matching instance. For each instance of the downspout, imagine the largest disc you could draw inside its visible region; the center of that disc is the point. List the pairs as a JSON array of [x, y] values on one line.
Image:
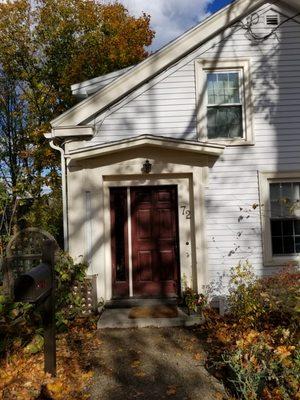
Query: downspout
[[64, 193]]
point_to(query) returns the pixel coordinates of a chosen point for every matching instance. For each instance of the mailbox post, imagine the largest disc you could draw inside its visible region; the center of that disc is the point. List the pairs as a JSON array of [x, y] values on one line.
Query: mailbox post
[[49, 313], [38, 287]]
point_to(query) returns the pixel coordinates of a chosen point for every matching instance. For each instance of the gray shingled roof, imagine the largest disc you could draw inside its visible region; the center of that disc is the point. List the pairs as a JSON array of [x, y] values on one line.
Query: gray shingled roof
[[84, 89]]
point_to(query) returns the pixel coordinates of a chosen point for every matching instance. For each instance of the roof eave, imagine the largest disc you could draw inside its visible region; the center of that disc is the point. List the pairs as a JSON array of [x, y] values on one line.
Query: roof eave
[[64, 132], [156, 63]]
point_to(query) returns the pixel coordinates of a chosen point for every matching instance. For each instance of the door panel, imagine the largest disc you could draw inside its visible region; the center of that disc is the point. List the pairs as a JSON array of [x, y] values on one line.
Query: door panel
[[166, 258], [145, 263], [164, 224], [154, 241], [144, 226]]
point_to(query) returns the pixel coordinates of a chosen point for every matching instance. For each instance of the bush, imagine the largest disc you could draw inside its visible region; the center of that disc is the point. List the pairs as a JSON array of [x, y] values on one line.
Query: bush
[[192, 300], [68, 303], [257, 301], [17, 321], [261, 369], [20, 323], [255, 346]]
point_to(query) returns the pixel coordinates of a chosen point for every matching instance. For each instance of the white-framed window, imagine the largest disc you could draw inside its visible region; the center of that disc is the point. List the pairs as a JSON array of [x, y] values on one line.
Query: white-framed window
[[224, 101], [280, 211]]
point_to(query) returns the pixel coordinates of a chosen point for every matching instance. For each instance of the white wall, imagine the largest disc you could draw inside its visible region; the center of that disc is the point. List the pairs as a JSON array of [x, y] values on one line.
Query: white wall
[[166, 106]]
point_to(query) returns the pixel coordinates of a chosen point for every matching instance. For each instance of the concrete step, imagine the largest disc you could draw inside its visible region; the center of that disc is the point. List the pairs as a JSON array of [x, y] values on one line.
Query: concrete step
[[119, 318]]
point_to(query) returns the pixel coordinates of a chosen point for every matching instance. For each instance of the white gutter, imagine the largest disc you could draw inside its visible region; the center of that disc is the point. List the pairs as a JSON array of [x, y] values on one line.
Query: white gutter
[[64, 191]]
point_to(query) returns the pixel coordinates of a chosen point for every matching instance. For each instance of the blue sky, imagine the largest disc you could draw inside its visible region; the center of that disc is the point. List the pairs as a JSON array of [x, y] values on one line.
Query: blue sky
[[217, 4], [170, 18]]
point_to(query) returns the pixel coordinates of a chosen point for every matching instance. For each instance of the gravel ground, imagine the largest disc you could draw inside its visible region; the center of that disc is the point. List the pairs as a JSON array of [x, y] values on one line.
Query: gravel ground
[[152, 363]]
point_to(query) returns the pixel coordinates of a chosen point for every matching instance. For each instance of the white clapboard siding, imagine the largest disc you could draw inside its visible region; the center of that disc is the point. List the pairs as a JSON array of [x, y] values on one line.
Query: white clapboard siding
[[167, 106]]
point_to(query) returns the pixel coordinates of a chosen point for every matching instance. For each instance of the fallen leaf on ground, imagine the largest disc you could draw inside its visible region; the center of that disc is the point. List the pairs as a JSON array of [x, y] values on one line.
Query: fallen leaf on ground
[[23, 377], [140, 374], [135, 364], [219, 396], [171, 390], [198, 356]]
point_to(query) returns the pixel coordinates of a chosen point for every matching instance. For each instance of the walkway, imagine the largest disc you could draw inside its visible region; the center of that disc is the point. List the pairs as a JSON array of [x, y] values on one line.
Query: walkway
[[152, 364]]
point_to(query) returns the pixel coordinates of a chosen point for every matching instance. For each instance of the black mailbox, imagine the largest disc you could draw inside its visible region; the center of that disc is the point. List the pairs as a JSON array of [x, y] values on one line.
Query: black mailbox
[[35, 285]]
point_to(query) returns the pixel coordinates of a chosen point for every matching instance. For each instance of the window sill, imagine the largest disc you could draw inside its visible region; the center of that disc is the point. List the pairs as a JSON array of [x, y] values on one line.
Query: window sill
[[228, 142], [282, 261]]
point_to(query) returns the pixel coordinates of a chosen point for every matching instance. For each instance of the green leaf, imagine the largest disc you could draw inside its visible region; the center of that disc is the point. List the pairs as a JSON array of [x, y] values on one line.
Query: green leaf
[[36, 345]]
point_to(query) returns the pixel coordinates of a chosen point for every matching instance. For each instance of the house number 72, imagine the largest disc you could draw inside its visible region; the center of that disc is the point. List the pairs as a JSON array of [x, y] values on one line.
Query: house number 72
[[185, 211]]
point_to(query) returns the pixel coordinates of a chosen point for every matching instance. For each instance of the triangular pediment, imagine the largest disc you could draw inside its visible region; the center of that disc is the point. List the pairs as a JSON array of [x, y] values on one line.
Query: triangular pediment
[[146, 141]]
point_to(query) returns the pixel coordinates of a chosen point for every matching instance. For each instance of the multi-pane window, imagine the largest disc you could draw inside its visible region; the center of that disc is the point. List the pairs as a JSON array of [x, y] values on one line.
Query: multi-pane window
[[285, 217], [224, 105]]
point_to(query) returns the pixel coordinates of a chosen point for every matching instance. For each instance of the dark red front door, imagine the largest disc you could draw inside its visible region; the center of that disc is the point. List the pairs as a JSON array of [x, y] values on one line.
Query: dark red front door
[[154, 222]]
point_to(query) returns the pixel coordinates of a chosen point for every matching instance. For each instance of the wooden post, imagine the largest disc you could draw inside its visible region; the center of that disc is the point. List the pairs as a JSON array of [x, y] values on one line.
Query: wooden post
[[8, 279], [48, 313]]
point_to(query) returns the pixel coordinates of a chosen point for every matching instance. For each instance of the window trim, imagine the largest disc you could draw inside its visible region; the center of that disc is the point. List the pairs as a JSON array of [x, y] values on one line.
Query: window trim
[[221, 65], [265, 178], [239, 71]]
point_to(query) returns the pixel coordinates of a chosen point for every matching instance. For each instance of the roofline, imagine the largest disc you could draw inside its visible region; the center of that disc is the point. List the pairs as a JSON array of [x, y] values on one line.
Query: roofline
[[146, 141], [90, 85], [157, 62], [292, 3], [99, 78]]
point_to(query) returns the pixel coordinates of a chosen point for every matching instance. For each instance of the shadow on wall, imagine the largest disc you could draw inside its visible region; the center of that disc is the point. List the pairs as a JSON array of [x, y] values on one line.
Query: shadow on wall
[[233, 196], [99, 240], [233, 218]]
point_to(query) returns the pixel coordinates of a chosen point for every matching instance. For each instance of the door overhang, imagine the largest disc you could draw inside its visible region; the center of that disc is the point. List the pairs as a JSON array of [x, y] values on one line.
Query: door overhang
[[119, 164], [143, 142]]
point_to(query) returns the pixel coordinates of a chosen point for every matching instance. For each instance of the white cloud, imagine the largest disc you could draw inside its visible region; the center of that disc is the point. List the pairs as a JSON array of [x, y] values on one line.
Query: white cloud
[[169, 18]]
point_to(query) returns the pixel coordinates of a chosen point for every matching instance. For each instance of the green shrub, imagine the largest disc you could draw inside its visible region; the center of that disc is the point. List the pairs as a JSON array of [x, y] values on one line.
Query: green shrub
[[20, 323], [68, 303], [242, 302], [258, 301], [194, 302], [17, 321]]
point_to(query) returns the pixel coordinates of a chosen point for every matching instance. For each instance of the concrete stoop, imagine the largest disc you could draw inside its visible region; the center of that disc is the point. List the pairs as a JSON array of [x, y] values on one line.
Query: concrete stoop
[[119, 318]]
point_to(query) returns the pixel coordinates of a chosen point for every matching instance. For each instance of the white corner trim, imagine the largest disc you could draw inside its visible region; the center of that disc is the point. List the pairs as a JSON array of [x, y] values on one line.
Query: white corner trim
[[157, 62], [243, 64], [147, 141]]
